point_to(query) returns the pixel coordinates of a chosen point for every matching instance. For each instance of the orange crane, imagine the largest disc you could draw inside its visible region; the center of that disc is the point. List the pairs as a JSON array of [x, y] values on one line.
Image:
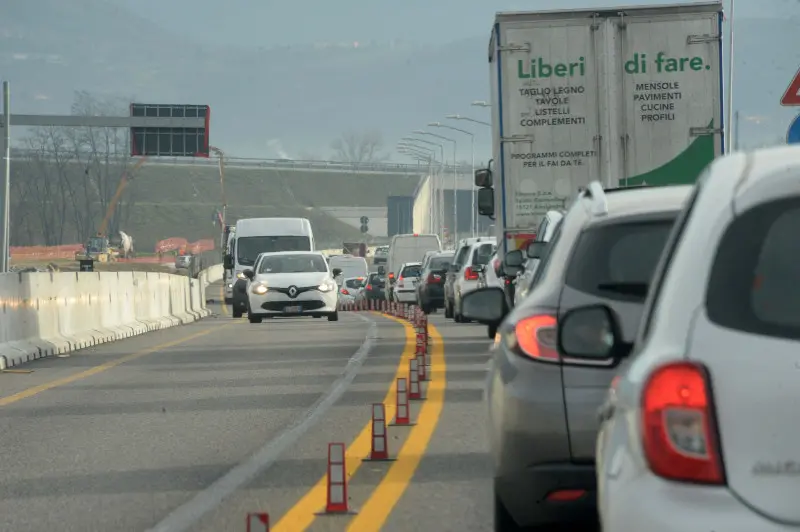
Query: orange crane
[[97, 247]]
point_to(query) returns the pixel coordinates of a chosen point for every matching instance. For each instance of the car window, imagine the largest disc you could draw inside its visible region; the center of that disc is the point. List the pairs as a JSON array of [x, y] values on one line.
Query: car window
[[617, 261], [755, 280], [249, 247], [544, 262], [353, 283], [461, 255], [482, 254], [411, 271], [293, 264], [439, 263]]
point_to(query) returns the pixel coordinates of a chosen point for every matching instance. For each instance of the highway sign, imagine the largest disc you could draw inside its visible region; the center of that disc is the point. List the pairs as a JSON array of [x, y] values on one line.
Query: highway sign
[[793, 135], [792, 94], [170, 141]]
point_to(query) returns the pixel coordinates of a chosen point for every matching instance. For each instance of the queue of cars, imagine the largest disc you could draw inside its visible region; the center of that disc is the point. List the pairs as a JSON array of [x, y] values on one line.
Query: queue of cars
[[646, 380]]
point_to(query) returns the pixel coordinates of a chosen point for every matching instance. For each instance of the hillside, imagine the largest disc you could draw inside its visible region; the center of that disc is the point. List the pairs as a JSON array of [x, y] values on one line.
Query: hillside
[[164, 201]]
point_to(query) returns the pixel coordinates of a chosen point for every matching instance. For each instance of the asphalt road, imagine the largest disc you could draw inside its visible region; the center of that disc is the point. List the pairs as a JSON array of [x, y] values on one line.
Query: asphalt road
[[193, 427]]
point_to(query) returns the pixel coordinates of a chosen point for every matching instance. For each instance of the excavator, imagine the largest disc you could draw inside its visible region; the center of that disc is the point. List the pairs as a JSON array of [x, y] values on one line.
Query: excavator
[[97, 247]]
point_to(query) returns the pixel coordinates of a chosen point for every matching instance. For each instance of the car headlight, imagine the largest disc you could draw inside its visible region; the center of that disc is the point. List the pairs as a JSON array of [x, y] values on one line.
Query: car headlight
[[327, 286], [259, 289], [240, 275]]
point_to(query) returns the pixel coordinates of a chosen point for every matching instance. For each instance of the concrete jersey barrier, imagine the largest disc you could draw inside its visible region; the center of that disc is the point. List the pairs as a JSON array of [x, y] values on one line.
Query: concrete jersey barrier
[[51, 313]]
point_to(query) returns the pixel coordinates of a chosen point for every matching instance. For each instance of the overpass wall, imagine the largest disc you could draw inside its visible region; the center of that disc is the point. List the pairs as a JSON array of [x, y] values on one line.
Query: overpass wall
[[51, 313]]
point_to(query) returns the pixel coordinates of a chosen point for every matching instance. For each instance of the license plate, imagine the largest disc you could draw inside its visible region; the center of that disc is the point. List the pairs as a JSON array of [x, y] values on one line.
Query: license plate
[[293, 310]]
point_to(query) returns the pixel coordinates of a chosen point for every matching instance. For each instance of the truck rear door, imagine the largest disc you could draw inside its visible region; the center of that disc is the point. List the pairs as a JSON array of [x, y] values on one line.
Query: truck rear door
[[550, 120], [669, 62]]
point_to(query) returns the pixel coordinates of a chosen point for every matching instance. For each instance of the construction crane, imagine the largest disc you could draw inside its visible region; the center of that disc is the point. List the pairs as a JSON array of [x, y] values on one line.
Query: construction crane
[[97, 247]]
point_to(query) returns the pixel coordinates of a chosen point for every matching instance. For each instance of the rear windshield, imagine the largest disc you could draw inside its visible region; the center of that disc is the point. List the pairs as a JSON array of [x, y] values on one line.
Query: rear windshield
[[618, 261], [440, 263], [411, 271], [375, 278], [353, 283], [482, 254], [755, 280]]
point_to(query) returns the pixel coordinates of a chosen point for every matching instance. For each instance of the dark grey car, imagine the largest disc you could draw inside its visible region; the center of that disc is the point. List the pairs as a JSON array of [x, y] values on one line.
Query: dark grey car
[[542, 405]]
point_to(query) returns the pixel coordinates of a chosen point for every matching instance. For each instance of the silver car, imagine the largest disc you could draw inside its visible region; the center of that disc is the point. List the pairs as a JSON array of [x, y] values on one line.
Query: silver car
[[542, 404]]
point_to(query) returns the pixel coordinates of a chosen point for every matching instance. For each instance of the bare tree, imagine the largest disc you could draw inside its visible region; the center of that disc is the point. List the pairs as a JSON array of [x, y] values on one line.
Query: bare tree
[[363, 147]]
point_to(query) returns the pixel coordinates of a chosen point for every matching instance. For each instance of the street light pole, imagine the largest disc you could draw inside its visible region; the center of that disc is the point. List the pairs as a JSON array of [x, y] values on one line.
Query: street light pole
[[5, 217], [459, 117], [472, 153], [439, 188], [221, 155], [455, 179], [428, 154]]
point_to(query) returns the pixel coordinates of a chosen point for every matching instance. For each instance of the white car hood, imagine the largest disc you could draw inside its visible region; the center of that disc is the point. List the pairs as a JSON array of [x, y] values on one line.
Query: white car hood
[[285, 280]]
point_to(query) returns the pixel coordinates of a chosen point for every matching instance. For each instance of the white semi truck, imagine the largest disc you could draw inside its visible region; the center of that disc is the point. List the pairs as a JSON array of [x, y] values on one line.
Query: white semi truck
[[630, 96]]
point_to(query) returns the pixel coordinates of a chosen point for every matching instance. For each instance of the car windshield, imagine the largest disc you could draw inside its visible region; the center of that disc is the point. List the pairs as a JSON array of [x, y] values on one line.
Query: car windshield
[[249, 247], [353, 283], [411, 271], [440, 263], [618, 261], [482, 254], [300, 263]]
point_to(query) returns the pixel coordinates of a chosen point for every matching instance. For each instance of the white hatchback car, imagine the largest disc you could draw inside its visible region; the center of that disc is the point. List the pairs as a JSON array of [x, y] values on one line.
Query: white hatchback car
[[405, 289], [291, 283], [699, 431]]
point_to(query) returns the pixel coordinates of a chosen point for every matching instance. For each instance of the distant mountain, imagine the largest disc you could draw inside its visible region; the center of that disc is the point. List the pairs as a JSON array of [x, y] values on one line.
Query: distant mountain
[[303, 96]]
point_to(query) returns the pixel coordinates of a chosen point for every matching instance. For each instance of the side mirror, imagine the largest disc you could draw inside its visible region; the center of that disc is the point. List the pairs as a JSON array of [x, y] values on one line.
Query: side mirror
[[535, 250], [486, 201], [485, 305], [336, 272], [483, 178], [512, 263], [227, 262], [592, 333], [249, 274]]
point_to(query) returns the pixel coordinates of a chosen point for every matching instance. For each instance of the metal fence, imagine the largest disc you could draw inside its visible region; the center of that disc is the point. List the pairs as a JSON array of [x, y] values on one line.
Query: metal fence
[[285, 164]]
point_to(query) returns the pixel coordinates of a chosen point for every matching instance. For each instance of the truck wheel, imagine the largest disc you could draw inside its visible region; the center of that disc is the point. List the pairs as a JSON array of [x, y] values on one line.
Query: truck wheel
[[254, 319], [237, 313], [491, 331]]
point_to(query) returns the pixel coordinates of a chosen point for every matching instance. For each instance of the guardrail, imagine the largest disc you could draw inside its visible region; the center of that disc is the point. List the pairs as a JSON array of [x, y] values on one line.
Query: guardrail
[[289, 164], [47, 314]]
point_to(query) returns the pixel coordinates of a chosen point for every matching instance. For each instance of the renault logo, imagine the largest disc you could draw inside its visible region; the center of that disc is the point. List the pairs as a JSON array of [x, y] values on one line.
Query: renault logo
[[292, 291]]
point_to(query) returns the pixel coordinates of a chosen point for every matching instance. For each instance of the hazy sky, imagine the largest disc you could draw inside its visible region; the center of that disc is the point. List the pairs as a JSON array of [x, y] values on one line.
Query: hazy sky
[[264, 22]]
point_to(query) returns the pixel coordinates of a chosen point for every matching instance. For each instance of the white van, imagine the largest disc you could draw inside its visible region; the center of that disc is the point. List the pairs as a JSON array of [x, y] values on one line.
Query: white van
[[262, 235], [350, 265], [408, 248]]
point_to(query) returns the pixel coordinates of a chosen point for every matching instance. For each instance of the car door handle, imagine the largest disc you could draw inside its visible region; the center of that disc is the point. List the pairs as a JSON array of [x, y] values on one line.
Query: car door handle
[[606, 412]]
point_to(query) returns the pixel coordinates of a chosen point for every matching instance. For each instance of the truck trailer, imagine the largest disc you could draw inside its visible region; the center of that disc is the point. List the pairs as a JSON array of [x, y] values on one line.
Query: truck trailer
[[629, 96]]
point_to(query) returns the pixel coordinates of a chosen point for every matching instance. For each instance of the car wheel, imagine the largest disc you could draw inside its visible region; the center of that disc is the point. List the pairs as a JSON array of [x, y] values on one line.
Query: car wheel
[[503, 522], [334, 316], [254, 319], [317, 316], [237, 312], [448, 310], [491, 331]]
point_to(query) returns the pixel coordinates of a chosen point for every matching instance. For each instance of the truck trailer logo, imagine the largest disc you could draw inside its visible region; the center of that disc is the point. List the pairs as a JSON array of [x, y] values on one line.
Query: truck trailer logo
[[537, 68]]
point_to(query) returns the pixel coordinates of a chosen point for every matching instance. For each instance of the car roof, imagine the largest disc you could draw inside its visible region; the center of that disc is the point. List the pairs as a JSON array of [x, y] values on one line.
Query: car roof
[[632, 201], [410, 264], [279, 253]]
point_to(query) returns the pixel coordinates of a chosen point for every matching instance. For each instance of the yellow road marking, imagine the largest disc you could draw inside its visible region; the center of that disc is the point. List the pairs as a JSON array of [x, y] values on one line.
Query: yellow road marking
[[373, 515], [302, 515], [36, 390]]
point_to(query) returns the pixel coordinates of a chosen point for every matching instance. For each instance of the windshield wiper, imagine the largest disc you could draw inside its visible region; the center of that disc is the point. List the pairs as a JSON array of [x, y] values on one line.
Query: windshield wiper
[[631, 289]]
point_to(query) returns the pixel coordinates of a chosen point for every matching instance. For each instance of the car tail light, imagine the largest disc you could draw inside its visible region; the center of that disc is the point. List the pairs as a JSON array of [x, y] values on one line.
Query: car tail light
[[345, 292], [496, 265], [369, 287], [434, 278], [679, 426], [399, 278], [470, 275], [536, 337]]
